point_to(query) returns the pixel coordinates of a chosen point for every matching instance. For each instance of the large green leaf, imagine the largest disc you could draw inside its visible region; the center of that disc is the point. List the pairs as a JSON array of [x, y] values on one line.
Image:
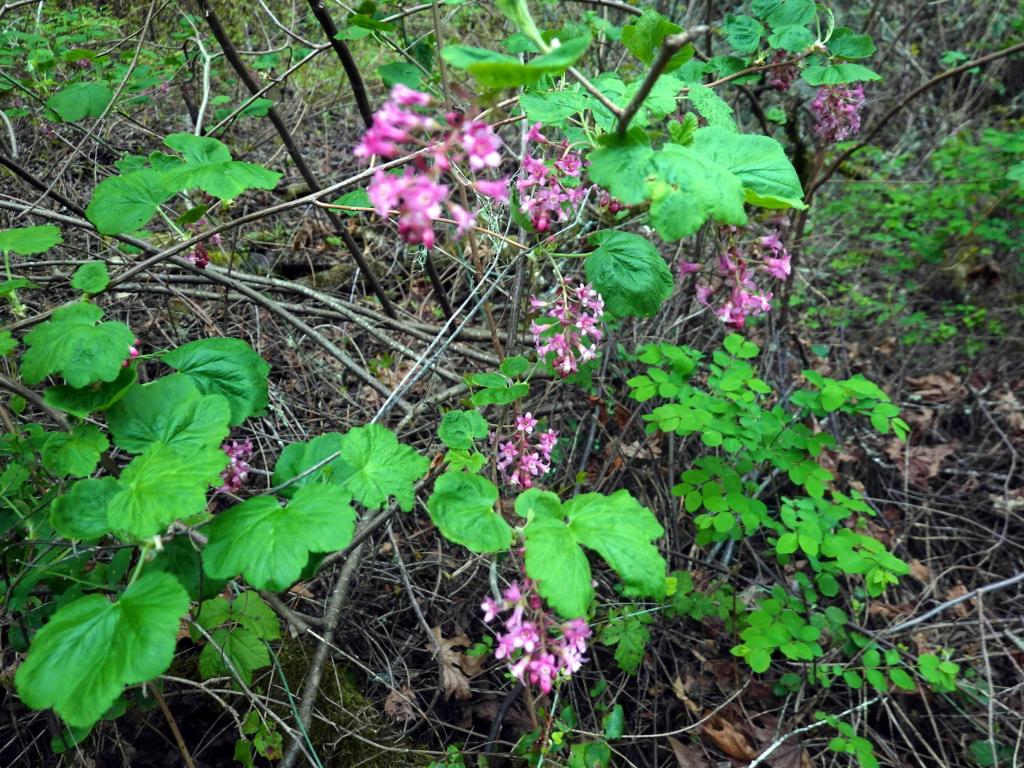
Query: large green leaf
[[208, 165], [688, 187], [227, 367], [743, 33], [162, 485], [28, 241], [80, 100], [297, 458], [75, 346], [621, 530], [81, 401], [837, 74], [760, 163], [91, 648], [74, 453], [498, 70], [375, 466], [270, 544], [849, 44], [553, 107], [554, 559], [620, 165], [81, 513], [462, 508], [126, 203], [169, 411], [629, 273]]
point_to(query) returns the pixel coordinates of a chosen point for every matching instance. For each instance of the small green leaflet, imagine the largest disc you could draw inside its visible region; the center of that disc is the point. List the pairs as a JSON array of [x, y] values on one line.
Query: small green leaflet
[[91, 648], [74, 345], [170, 411], [462, 508], [80, 100], [240, 629], [227, 367], [375, 466], [401, 72], [629, 273], [74, 453], [837, 74], [498, 70], [270, 544], [91, 277], [644, 37], [28, 241], [630, 636], [711, 106], [162, 485], [460, 428]]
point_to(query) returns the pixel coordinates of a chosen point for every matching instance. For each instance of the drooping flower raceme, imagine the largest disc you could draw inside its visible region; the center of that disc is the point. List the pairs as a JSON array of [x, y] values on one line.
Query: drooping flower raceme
[[526, 455], [417, 192], [783, 73], [535, 656], [237, 470], [836, 111], [736, 278], [568, 326]]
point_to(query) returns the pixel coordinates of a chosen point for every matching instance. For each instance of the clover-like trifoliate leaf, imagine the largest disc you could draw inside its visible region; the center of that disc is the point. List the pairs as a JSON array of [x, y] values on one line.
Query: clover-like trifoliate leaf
[[81, 513], [297, 458], [375, 466], [270, 544], [75, 346], [621, 530], [91, 648], [82, 401], [462, 508], [629, 273], [227, 367], [617, 527], [28, 241], [169, 411], [162, 485], [74, 453], [208, 165]]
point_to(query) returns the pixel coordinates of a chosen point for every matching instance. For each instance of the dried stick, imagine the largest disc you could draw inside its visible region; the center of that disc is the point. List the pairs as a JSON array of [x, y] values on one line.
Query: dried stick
[[323, 17]]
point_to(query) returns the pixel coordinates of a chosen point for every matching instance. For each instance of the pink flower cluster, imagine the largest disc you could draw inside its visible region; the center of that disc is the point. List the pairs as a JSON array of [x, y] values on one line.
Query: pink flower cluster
[[742, 296], [573, 335], [534, 656], [545, 192], [526, 455], [417, 193], [133, 352], [783, 72], [199, 256], [836, 111], [237, 470]]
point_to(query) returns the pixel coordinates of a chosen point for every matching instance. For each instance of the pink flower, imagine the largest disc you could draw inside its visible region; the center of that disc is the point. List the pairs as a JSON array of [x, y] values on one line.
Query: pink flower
[[463, 219], [496, 189], [237, 470], [534, 135], [781, 76], [577, 312], [526, 423], [571, 164], [408, 97], [490, 608], [687, 268], [779, 268], [482, 145], [836, 111]]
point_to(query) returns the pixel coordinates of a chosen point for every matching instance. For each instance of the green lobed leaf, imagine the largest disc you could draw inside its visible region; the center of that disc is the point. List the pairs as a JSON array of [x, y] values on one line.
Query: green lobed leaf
[[837, 74], [553, 107], [297, 458], [459, 429], [462, 508], [620, 165], [91, 277], [28, 241], [557, 564], [848, 44], [80, 100], [743, 33], [630, 636], [375, 466], [227, 367], [498, 70], [91, 648], [74, 344], [162, 485], [74, 453], [629, 273], [644, 37], [170, 411], [270, 544], [246, 652], [126, 203], [712, 107], [81, 512], [794, 38], [82, 401], [181, 558], [759, 162]]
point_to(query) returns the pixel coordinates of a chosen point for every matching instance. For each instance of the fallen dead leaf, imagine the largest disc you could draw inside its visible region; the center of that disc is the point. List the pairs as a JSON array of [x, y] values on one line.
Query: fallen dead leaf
[[687, 755], [920, 571], [456, 667], [300, 589], [1010, 408], [728, 738], [960, 609], [924, 460], [938, 387], [398, 704], [680, 691]]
